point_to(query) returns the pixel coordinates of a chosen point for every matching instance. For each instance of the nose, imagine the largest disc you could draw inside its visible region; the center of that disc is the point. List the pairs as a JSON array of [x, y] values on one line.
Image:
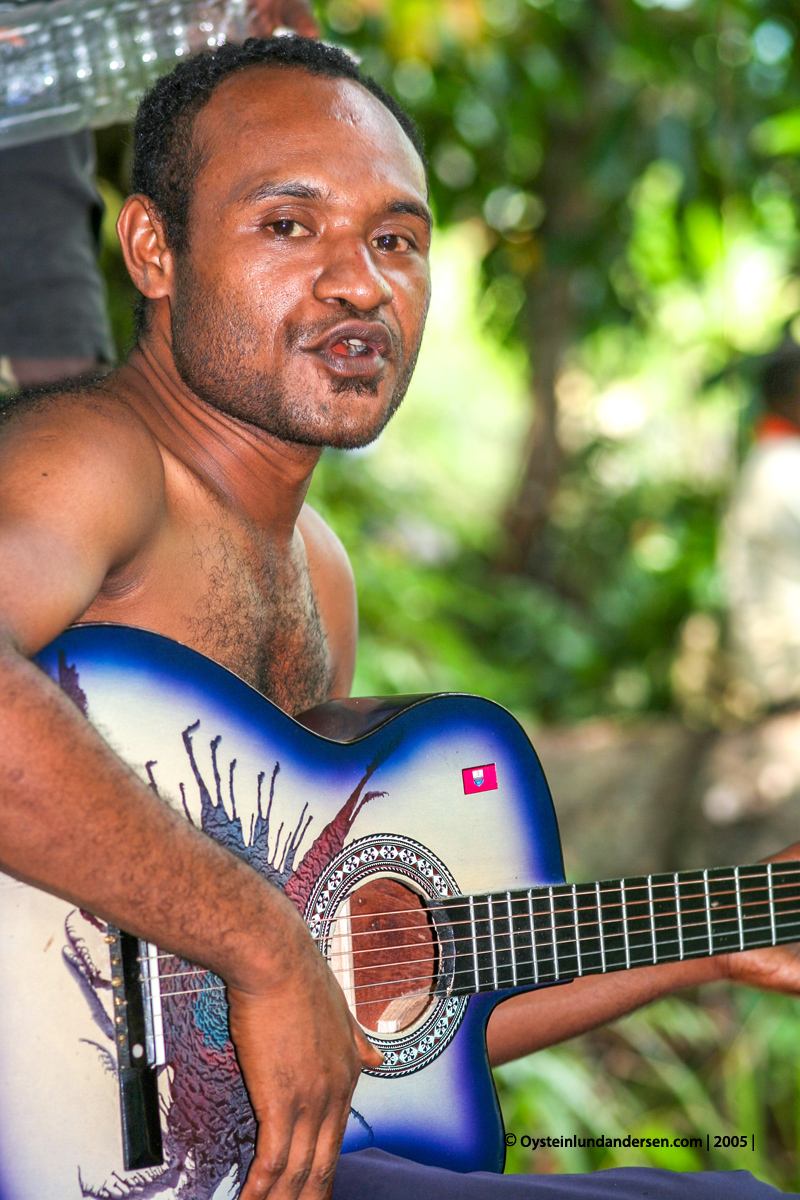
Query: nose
[[351, 276]]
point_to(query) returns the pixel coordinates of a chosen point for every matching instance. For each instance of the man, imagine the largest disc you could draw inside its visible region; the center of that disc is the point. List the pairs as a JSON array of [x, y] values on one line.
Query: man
[[279, 236]]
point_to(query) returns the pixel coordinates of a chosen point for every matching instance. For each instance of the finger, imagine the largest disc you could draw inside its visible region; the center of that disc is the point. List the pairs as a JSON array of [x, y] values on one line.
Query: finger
[[273, 1147], [370, 1055], [308, 1169], [297, 15], [789, 854], [776, 968], [319, 1183], [269, 15], [287, 1150]]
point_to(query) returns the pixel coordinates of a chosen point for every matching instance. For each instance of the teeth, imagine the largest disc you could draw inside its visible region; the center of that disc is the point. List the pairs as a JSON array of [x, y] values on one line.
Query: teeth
[[356, 346]]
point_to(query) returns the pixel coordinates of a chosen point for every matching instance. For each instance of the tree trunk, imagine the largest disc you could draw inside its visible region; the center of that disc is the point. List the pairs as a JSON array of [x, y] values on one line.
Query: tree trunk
[[527, 516]]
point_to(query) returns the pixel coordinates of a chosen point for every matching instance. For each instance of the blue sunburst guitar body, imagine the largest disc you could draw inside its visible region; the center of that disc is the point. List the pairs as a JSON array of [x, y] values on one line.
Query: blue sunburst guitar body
[[377, 794], [417, 838]]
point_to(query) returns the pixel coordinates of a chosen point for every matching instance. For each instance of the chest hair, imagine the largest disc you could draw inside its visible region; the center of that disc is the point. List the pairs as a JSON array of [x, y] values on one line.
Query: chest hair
[[258, 616]]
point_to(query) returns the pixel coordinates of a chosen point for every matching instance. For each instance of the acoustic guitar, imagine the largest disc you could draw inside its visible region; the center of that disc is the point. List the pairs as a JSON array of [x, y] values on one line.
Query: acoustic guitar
[[416, 836]]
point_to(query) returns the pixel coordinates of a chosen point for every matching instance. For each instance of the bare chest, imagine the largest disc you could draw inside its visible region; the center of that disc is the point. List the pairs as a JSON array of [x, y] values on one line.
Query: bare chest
[[225, 590]]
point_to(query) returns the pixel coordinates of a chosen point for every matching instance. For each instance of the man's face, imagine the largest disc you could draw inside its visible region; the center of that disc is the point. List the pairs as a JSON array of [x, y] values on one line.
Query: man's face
[[300, 301]]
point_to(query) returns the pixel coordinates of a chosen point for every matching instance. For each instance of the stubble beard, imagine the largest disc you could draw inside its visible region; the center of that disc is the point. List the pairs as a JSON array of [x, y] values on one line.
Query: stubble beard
[[212, 344]]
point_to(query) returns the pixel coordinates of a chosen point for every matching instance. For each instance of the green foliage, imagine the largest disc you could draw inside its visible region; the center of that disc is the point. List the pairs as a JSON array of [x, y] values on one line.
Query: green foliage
[[544, 119], [114, 167], [729, 1065]]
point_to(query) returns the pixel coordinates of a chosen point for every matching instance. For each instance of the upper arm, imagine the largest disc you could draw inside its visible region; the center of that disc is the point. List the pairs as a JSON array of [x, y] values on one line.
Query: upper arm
[[335, 594], [81, 488]]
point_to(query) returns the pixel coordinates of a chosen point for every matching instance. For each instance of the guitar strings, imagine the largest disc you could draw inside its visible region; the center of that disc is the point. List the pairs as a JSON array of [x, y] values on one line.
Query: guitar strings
[[728, 912], [546, 945], [748, 886], [168, 995]]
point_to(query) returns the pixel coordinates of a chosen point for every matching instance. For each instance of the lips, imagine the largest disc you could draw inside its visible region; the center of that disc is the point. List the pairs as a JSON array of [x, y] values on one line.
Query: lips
[[355, 347]]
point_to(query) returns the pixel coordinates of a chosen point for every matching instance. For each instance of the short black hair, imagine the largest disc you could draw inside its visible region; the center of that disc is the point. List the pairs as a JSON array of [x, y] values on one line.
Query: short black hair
[[165, 157]]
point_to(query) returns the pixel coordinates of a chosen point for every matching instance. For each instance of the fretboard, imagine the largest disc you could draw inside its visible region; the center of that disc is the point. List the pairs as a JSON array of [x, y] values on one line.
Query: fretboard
[[551, 934]]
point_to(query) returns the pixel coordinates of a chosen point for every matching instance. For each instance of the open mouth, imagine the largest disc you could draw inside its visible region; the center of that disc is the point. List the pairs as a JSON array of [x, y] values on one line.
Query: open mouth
[[355, 348]]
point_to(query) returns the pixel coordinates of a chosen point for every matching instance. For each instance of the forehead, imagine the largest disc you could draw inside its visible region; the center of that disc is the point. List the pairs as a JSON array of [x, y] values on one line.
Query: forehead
[[277, 121]]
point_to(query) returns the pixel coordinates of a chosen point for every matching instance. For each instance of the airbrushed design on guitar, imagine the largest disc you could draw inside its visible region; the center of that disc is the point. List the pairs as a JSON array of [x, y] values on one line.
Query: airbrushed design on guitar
[[359, 811], [206, 1104]]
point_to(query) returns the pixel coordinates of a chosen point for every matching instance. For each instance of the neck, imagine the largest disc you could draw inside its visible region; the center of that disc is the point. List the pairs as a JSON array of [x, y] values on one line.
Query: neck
[[260, 476], [550, 935]]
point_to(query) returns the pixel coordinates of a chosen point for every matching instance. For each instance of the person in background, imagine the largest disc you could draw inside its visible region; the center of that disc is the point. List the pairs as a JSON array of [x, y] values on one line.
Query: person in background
[[53, 319], [760, 552]]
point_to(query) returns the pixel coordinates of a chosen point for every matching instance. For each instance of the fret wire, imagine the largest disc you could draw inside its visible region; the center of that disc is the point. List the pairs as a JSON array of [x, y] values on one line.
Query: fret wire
[[625, 924], [474, 943], [771, 902], [678, 916], [491, 942], [566, 941], [511, 940], [708, 912], [553, 925], [739, 907], [600, 928], [629, 890], [652, 915], [577, 934], [533, 937]]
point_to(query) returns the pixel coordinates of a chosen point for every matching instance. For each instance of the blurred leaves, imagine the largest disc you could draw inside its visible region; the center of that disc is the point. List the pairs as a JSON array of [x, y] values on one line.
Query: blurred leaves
[[678, 1069]]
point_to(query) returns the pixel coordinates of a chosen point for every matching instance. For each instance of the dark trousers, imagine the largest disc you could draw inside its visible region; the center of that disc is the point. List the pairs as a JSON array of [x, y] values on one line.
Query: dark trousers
[[373, 1175]]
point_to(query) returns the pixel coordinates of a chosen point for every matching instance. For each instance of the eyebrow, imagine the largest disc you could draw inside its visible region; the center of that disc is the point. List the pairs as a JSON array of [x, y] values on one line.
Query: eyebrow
[[304, 191], [412, 208], [292, 187]]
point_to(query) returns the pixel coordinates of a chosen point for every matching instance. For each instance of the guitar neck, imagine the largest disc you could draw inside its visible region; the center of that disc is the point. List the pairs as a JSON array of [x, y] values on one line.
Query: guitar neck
[[553, 934]]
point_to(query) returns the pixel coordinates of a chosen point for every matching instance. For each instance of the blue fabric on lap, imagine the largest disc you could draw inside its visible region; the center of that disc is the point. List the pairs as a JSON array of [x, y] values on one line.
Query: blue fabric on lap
[[374, 1175]]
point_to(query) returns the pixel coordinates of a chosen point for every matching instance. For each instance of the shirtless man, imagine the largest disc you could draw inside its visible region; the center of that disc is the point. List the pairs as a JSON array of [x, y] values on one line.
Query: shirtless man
[[280, 238]]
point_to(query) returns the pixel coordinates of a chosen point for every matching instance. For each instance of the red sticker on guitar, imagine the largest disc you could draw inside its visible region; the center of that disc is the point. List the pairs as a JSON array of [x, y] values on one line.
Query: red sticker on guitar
[[480, 779]]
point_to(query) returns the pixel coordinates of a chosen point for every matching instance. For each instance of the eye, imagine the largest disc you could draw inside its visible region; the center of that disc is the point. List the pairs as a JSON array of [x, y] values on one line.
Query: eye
[[287, 228], [392, 242]]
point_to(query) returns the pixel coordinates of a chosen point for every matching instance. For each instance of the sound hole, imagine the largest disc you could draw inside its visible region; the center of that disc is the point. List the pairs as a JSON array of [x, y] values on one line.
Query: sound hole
[[383, 953]]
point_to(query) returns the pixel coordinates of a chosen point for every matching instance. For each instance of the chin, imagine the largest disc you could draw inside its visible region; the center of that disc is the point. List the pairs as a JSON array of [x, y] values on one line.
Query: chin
[[354, 416], [345, 436]]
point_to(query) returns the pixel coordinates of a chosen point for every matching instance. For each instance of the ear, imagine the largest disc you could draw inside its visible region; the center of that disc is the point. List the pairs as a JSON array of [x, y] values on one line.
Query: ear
[[149, 260]]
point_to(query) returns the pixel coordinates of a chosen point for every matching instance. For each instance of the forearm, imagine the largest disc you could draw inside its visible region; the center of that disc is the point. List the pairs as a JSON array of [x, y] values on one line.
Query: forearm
[[76, 821], [550, 1015]]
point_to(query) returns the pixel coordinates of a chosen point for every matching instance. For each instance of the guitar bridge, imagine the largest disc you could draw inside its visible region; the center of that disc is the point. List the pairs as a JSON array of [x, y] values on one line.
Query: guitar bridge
[[151, 999], [140, 1047]]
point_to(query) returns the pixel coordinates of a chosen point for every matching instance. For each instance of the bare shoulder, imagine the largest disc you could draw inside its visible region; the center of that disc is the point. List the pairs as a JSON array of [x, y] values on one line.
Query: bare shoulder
[[96, 415], [83, 452], [81, 496], [335, 594]]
